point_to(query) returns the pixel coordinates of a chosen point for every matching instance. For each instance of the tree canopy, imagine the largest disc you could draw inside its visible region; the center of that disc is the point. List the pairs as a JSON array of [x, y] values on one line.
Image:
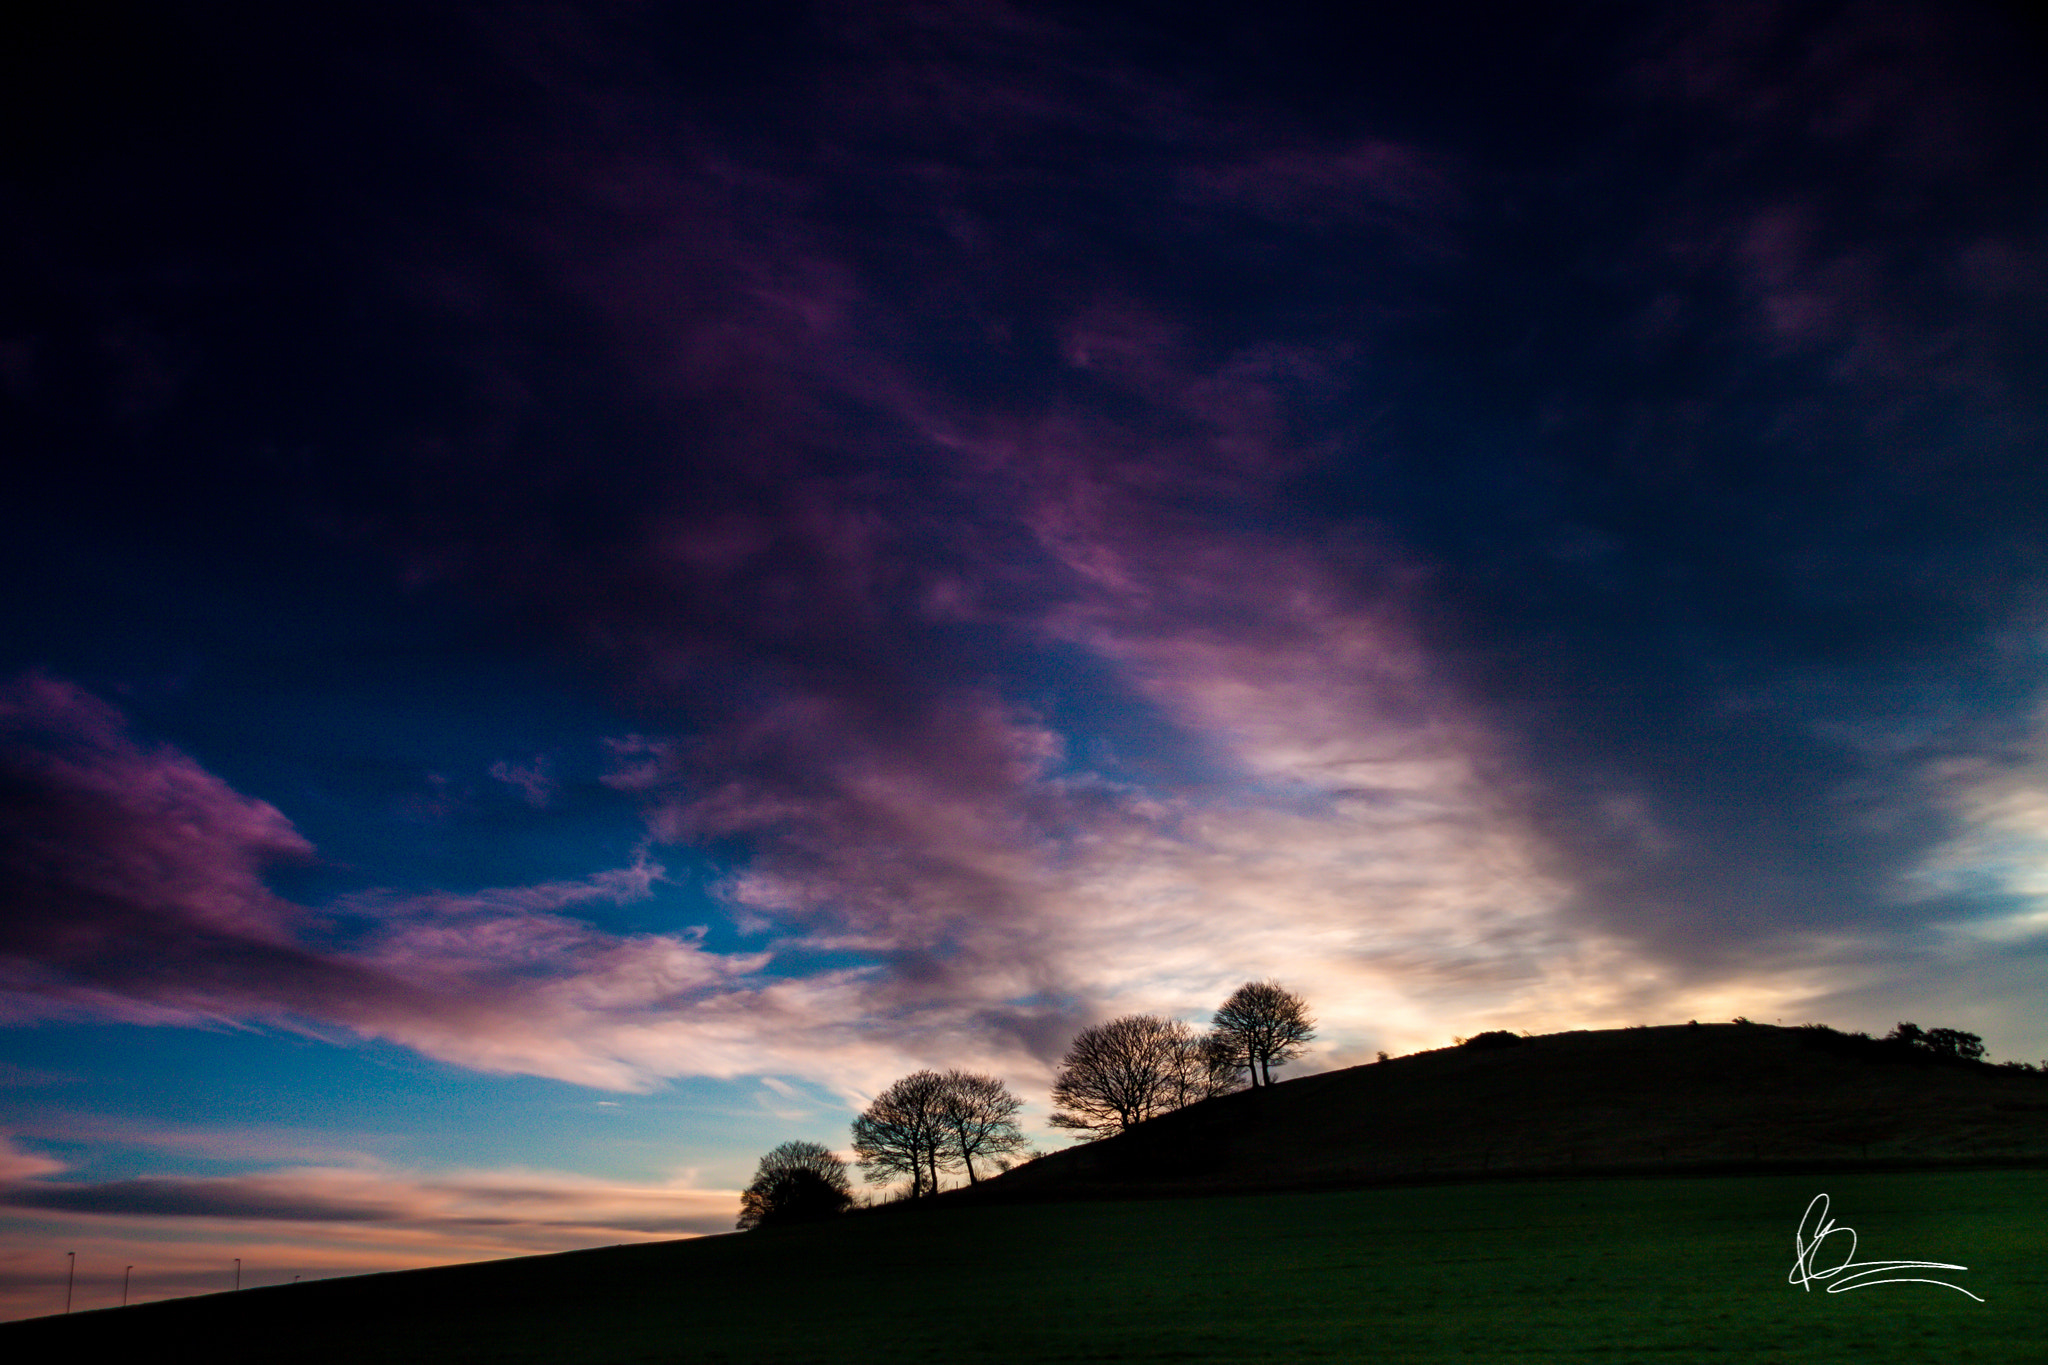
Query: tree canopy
[[904, 1132], [982, 1114], [1264, 1025], [928, 1123], [796, 1182], [1942, 1042], [1116, 1075]]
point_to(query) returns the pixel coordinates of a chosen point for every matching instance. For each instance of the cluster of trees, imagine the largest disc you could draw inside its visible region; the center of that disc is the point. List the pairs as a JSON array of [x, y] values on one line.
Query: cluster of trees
[[1113, 1077], [1910, 1042], [1942, 1042], [930, 1122], [1117, 1075]]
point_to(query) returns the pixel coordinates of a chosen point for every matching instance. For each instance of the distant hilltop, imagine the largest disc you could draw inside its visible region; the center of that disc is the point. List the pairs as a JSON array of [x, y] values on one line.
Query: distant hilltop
[[1684, 1097]]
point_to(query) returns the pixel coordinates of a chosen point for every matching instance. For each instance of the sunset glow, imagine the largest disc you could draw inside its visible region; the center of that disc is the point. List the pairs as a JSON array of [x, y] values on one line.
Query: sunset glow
[[590, 584]]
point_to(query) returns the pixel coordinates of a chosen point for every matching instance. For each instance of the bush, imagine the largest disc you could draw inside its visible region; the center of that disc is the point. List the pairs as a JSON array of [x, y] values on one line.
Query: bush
[[1492, 1038], [797, 1182]]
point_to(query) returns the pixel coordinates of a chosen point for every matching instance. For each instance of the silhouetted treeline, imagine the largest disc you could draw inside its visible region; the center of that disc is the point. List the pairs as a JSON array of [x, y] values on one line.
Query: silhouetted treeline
[[1118, 1075]]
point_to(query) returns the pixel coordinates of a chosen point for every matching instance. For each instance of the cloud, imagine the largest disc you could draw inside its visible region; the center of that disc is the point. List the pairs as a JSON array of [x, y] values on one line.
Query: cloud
[[136, 877], [533, 780], [1000, 900], [139, 896], [1993, 870], [238, 1197], [1072, 544], [520, 1205], [180, 1233], [17, 1165]]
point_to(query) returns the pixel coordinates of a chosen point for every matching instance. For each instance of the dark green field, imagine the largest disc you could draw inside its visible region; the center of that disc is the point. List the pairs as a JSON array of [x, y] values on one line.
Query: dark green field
[[1667, 1270]]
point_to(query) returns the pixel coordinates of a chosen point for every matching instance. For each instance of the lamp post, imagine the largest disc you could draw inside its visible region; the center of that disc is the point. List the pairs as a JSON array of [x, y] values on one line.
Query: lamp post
[[238, 1273], [124, 1284], [70, 1275]]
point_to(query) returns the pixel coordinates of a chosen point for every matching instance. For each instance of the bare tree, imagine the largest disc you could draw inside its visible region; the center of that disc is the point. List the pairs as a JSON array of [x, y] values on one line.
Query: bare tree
[[1211, 1068], [1263, 1026], [906, 1132], [1117, 1075], [982, 1115], [797, 1182]]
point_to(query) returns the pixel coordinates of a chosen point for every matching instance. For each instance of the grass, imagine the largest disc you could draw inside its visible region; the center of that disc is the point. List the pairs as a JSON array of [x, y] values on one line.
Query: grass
[[1625, 1270]]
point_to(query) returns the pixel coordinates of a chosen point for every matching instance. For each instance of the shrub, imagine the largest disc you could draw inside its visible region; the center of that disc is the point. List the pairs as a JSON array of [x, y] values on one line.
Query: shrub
[[797, 1182], [1492, 1038]]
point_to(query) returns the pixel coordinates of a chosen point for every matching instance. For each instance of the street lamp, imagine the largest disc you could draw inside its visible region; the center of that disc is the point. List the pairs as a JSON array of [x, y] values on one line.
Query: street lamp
[[70, 1275], [124, 1284], [238, 1273]]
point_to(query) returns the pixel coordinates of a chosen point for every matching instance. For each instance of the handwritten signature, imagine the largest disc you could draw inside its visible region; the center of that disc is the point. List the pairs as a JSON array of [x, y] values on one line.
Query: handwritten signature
[[1852, 1273]]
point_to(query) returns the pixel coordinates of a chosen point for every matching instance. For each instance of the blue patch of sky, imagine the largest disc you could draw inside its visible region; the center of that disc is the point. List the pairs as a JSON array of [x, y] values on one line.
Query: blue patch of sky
[[322, 1101], [795, 960], [1109, 730]]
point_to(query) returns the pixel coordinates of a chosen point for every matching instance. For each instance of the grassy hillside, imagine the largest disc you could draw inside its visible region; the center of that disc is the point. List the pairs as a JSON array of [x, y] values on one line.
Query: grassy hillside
[[1712, 1096], [1685, 1272], [1495, 1269]]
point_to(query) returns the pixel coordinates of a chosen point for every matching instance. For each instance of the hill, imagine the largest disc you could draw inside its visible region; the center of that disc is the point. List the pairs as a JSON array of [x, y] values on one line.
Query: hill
[[1682, 1272], [1030, 1267], [1698, 1097]]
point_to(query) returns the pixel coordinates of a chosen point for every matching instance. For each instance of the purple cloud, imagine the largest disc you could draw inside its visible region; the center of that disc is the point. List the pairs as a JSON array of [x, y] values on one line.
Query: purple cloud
[[533, 780]]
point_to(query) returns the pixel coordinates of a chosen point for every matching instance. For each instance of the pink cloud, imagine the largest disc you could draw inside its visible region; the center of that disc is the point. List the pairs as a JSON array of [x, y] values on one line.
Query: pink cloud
[[142, 899], [17, 1165], [181, 1233]]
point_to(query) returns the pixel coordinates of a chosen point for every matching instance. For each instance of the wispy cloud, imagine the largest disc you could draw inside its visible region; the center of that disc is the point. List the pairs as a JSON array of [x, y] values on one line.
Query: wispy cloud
[[533, 780], [180, 1233], [1060, 538], [522, 1207]]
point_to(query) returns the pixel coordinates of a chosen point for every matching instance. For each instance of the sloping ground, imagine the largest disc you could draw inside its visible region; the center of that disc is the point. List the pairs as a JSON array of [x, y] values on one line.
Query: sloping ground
[[1685, 1096], [1593, 1272]]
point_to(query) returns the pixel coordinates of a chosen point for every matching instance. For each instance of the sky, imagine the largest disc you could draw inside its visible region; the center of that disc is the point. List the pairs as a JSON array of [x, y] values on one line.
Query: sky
[[589, 584]]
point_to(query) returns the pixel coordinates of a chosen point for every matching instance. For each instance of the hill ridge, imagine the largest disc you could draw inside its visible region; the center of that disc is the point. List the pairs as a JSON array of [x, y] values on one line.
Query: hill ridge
[[1670, 1098]]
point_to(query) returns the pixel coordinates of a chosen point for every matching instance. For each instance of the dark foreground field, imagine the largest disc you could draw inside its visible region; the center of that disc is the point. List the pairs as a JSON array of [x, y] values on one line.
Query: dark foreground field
[[1619, 1270]]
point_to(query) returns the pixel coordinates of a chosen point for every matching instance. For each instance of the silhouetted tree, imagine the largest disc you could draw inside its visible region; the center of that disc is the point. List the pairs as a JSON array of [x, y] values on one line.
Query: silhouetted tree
[[1210, 1066], [1949, 1042], [797, 1182], [1119, 1074], [1942, 1042], [906, 1132], [1265, 1026], [981, 1114]]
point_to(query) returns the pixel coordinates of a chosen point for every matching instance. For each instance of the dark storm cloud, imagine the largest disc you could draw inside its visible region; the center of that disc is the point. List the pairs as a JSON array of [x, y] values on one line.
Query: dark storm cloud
[[1613, 427]]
